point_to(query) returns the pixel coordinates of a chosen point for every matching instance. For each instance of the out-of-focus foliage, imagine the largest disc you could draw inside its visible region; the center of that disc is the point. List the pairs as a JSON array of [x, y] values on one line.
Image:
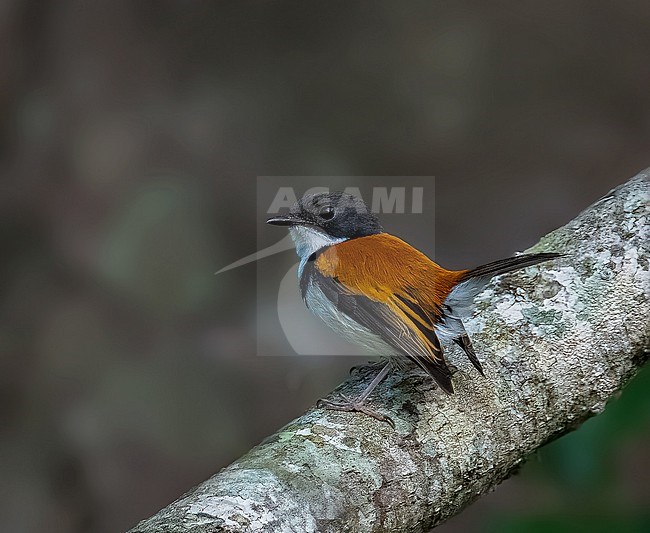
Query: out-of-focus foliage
[[131, 135]]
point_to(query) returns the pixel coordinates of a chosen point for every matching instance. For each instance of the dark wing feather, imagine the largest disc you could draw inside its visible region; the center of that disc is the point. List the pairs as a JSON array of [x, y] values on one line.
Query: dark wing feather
[[464, 342], [399, 332]]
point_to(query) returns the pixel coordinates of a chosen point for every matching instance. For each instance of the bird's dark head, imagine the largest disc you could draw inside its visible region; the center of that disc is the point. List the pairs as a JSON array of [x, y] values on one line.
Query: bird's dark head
[[340, 215], [322, 219]]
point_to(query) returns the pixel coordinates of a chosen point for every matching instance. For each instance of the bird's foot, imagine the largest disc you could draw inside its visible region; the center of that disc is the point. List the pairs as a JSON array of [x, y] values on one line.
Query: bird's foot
[[370, 365], [354, 406]]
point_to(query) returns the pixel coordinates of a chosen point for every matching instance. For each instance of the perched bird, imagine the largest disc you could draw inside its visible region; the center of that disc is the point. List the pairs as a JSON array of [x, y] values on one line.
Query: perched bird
[[376, 290]]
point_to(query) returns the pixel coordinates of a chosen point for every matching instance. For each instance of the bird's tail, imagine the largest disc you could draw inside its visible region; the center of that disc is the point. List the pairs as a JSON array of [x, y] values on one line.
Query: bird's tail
[[471, 282], [504, 266]]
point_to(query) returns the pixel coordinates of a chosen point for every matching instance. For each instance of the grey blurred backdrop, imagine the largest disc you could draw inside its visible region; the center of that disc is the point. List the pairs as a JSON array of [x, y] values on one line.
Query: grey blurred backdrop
[[131, 136]]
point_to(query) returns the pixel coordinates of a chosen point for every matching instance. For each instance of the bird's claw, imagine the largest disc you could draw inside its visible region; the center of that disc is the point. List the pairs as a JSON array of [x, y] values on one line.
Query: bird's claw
[[369, 364], [352, 406]]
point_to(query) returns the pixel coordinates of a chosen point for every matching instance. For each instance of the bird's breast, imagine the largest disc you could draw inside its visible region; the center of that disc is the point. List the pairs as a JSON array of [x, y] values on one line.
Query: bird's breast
[[346, 327]]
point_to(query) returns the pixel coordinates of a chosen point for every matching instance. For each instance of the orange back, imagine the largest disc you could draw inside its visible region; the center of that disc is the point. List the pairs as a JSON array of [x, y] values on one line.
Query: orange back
[[381, 266]]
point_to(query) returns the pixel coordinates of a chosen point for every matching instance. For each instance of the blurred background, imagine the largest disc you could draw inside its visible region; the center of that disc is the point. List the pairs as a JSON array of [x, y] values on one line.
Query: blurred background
[[131, 135]]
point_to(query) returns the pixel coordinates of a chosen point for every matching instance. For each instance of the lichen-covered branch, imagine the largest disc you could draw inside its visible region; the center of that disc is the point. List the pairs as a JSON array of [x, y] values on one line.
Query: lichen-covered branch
[[556, 341]]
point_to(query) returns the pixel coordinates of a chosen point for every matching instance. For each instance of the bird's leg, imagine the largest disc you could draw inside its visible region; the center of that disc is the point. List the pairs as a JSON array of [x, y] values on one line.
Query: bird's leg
[[357, 405]]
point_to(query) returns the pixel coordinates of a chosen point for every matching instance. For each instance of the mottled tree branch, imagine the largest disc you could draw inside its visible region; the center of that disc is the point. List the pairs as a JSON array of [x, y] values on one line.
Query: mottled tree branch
[[556, 341]]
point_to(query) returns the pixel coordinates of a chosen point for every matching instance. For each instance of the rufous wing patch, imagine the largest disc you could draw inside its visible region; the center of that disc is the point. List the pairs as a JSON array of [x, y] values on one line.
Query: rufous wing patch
[[392, 289]]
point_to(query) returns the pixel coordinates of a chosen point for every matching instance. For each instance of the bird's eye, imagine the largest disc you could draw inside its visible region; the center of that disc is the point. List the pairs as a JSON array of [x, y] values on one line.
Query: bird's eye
[[326, 213]]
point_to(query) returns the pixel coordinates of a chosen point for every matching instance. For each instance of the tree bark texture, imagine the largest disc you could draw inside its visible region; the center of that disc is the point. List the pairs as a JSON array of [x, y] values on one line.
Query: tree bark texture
[[556, 340]]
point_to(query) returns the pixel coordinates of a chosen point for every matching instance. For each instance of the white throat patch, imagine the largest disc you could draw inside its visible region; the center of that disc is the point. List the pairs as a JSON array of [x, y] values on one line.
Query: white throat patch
[[309, 240]]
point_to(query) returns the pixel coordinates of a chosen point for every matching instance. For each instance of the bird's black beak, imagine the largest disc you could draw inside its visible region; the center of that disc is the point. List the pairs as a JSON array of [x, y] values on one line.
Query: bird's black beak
[[285, 220]]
